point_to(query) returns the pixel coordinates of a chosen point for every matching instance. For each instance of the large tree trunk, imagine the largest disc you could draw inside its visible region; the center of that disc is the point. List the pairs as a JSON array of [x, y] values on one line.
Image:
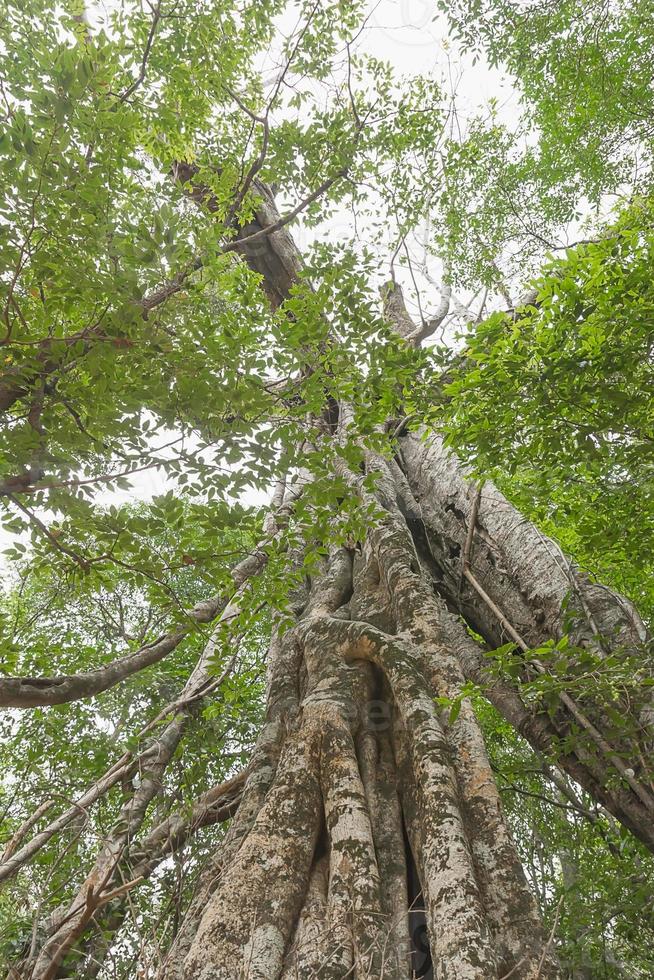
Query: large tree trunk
[[378, 846], [370, 840]]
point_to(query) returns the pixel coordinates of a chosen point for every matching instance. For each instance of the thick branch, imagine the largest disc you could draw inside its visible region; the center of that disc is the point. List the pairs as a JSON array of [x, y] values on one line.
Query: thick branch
[[31, 692]]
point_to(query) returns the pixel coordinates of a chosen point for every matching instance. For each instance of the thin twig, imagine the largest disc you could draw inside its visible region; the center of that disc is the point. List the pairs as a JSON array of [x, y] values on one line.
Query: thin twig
[[156, 16]]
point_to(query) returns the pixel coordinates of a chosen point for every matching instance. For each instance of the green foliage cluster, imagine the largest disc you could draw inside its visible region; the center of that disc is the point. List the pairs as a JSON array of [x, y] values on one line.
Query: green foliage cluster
[[583, 71], [593, 880], [53, 625], [555, 400], [577, 138], [95, 232]]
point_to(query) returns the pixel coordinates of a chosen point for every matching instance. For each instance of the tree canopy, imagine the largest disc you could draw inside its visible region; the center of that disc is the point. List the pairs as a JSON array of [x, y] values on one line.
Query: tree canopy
[[480, 273]]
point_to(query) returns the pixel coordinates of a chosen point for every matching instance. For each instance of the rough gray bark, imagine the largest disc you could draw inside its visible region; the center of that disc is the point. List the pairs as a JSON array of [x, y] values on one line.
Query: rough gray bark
[[522, 587], [534, 584], [318, 885]]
